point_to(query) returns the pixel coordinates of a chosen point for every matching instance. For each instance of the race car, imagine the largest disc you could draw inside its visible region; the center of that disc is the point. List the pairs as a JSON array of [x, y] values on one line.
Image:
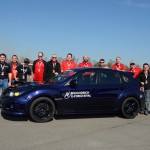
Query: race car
[[76, 91]]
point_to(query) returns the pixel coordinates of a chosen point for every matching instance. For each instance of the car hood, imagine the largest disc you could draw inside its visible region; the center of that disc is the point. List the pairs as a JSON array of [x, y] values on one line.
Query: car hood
[[31, 87]]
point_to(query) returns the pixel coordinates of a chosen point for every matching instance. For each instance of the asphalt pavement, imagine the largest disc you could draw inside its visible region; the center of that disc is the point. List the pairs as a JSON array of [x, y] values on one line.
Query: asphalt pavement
[[102, 132]]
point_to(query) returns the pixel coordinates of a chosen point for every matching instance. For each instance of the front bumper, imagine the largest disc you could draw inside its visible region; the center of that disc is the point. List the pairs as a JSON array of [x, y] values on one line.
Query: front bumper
[[13, 106]]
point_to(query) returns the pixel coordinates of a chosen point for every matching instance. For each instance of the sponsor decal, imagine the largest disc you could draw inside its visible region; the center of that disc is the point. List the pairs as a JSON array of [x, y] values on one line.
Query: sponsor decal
[[77, 94]]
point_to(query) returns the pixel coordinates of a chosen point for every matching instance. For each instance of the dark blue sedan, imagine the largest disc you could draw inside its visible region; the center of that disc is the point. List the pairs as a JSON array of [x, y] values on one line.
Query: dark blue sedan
[[77, 91]]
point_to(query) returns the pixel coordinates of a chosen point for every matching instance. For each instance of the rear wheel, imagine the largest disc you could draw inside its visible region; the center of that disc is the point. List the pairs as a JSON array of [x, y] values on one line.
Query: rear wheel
[[130, 108], [42, 109]]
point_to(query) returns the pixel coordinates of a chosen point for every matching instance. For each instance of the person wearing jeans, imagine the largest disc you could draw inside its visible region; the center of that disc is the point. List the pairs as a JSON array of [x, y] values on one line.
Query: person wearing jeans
[[144, 78], [5, 73]]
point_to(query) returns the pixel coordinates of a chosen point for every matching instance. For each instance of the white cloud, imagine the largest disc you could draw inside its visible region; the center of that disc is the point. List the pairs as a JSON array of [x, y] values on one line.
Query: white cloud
[[134, 3]]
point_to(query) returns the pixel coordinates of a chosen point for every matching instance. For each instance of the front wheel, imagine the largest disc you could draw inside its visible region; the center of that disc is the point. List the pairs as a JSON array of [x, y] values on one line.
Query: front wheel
[[130, 108], [42, 109]]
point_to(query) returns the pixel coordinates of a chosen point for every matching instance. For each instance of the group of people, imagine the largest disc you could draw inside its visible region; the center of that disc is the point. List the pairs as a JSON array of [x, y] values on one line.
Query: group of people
[[44, 71]]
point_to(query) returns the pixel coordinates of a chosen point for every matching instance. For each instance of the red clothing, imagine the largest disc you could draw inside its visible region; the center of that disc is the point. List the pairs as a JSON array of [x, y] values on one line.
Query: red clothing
[[118, 67], [14, 66], [85, 64], [66, 65], [39, 71], [136, 71]]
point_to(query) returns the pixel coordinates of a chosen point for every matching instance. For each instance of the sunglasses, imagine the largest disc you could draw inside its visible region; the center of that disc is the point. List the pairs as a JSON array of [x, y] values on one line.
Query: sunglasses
[[132, 64], [101, 62], [54, 57], [26, 62], [40, 56]]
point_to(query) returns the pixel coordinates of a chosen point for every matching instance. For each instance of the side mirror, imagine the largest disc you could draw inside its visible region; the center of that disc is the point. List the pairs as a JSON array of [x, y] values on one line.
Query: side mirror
[[73, 82]]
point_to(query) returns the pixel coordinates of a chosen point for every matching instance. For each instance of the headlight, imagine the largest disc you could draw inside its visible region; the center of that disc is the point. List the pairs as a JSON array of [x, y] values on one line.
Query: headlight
[[11, 94]]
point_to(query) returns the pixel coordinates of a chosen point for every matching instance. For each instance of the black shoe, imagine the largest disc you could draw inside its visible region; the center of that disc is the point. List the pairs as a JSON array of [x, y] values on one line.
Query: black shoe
[[145, 113], [141, 112]]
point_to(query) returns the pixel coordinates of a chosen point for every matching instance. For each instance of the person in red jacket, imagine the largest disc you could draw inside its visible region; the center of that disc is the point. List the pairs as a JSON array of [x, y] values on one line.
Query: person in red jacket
[[39, 69], [134, 69], [118, 65], [68, 63], [85, 63], [14, 64]]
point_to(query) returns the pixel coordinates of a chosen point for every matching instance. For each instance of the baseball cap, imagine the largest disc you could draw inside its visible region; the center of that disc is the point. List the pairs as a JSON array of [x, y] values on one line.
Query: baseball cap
[[26, 60], [132, 63]]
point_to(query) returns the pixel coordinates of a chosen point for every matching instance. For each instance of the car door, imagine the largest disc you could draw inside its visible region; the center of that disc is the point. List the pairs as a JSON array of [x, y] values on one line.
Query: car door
[[108, 90], [78, 98]]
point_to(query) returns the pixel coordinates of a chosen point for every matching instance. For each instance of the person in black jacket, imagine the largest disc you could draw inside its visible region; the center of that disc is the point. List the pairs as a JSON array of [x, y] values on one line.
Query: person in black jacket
[[144, 78], [53, 67], [5, 73], [22, 72]]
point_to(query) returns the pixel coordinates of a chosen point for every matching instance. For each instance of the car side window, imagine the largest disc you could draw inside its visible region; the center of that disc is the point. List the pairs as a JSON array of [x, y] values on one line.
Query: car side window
[[87, 77], [109, 77], [125, 78]]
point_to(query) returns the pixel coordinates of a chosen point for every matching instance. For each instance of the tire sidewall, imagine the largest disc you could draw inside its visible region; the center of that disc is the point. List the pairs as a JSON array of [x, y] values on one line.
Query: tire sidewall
[[123, 106], [35, 102]]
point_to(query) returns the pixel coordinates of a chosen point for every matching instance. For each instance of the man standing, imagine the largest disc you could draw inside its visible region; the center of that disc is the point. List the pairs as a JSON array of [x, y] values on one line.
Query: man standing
[[22, 71], [102, 63], [53, 67], [118, 65], [14, 65], [68, 63], [144, 78], [85, 63], [39, 69], [5, 73], [134, 69]]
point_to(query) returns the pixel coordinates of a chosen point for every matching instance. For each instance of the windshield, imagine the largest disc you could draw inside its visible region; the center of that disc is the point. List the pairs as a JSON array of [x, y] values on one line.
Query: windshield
[[66, 75]]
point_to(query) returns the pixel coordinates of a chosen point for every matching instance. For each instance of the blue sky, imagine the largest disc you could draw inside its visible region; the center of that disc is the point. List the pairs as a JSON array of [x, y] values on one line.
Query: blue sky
[[97, 28]]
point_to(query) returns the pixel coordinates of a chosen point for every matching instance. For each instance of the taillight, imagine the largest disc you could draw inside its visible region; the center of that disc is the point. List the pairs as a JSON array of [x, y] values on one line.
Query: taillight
[[142, 89]]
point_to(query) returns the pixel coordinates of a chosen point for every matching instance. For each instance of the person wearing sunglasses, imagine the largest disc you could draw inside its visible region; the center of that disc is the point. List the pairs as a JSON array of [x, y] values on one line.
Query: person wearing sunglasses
[[22, 72], [53, 68], [102, 63], [39, 69]]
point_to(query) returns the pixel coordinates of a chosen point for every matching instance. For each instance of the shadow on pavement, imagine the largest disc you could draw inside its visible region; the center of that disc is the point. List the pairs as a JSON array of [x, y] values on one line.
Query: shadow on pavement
[[60, 117], [86, 116]]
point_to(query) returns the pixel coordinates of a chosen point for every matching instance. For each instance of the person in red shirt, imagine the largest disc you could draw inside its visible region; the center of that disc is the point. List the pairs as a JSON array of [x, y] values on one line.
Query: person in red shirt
[[68, 63], [102, 63], [39, 69], [85, 63], [14, 64], [118, 65], [134, 69]]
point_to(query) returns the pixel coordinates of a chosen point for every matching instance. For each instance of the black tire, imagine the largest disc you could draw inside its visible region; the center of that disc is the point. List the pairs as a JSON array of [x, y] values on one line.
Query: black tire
[[130, 108], [42, 109]]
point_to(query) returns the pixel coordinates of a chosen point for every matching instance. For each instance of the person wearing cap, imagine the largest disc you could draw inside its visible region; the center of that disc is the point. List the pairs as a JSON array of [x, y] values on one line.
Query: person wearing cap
[[144, 78], [39, 69], [22, 71], [135, 70], [85, 63], [118, 65], [53, 67], [68, 63], [5, 73], [102, 63], [14, 63]]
